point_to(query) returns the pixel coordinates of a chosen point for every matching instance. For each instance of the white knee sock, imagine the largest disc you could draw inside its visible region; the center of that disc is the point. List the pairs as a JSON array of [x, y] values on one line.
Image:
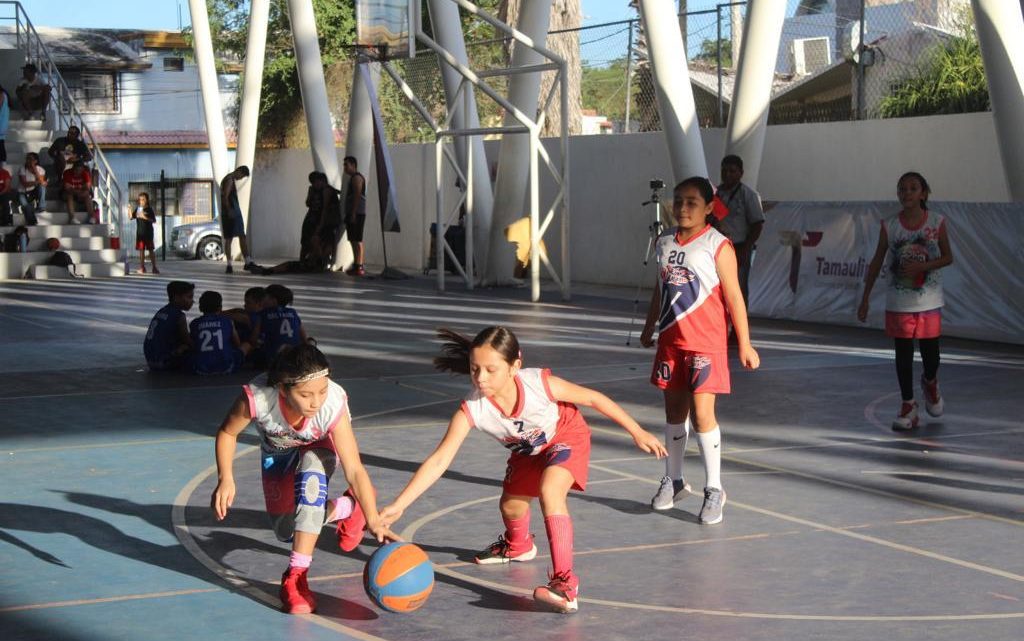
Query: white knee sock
[[676, 435], [711, 455]]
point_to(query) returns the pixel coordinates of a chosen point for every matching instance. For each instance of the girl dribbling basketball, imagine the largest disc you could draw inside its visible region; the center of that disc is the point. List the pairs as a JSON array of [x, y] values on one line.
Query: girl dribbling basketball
[[533, 414]]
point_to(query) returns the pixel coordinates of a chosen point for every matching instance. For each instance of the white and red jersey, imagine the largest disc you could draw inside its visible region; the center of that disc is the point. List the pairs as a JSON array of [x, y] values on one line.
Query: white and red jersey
[[921, 292], [692, 315], [265, 403], [534, 420]]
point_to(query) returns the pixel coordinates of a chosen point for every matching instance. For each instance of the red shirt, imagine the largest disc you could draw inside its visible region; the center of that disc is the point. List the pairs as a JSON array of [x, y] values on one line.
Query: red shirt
[[5, 180], [77, 181]]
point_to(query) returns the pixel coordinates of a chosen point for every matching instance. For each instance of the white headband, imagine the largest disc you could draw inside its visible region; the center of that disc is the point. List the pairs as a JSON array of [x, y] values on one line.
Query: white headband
[[307, 377]]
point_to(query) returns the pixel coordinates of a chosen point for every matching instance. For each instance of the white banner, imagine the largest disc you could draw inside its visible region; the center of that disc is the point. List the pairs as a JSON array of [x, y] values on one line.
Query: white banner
[[812, 257]]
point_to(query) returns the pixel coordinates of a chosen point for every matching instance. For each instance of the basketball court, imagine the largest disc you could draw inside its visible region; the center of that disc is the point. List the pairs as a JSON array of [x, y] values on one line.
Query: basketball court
[[835, 527]]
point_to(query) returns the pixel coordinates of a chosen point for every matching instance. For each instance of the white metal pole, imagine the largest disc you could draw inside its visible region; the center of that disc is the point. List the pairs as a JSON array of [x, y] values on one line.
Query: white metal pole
[[534, 201], [314, 90], [212, 109], [672, 84], [467, 91], [510, 188], [444, 17], [249, 111], [1000, 27], [748, 119], [439, 222]]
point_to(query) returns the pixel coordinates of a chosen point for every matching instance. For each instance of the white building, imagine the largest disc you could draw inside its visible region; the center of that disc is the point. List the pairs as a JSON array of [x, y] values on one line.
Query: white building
[[138, 92]]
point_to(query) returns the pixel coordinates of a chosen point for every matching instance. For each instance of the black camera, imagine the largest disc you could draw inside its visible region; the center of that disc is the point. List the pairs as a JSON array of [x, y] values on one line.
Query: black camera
[[657, 184]]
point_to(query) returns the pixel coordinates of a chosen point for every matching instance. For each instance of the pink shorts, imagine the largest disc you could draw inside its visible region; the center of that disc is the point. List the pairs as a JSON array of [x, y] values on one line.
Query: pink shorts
[[569, 449], [699, 372], [914, 324]]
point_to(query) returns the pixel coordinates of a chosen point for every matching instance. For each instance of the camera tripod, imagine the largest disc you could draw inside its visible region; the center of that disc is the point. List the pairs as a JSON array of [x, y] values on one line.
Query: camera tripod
[[654, 230]]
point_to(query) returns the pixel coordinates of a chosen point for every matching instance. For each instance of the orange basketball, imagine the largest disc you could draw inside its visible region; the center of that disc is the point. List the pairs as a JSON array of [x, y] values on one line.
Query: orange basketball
[[399, 577]]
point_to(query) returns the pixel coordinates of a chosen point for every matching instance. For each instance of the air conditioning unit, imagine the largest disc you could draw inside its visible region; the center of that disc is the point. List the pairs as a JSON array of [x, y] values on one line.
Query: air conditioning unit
[[810, 54]]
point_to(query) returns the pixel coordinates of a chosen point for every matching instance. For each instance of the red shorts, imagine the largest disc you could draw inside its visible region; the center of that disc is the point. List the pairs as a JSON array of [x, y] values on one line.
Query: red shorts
[[699, 372], [144, 244], [914, 324], [569, 449]]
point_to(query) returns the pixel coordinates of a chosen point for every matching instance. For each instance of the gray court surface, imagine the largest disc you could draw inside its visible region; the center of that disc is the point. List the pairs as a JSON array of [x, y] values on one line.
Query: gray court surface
[[835, 527]]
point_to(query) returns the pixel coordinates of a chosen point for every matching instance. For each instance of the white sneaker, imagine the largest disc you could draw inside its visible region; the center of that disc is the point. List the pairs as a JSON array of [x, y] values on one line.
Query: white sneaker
[[668, 491], [932, 397], [907, 418], [74, 221]]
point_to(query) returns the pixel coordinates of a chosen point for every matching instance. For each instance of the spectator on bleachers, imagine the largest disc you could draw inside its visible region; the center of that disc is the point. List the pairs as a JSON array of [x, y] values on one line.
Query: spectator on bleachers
[[33, 94], [69, 149], [77, 189], [167, 339], [17, 240], [32, 187], [8, 196]]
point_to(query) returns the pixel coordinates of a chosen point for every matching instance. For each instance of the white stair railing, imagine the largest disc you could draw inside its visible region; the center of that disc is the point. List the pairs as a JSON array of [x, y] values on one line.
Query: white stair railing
[[108, 191]]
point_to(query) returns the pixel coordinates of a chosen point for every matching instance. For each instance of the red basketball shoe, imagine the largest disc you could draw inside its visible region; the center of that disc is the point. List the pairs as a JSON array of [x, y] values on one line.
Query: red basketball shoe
[[295, 595], [907, 418], [350, 529], [561, 593]]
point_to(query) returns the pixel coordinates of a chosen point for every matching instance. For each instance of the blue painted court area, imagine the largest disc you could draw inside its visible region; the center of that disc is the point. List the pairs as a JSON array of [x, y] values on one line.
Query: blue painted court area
[[835, 526]]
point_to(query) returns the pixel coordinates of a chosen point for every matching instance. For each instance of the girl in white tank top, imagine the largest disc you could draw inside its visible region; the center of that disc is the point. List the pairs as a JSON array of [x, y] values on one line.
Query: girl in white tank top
[[534, 415], [917, 244]]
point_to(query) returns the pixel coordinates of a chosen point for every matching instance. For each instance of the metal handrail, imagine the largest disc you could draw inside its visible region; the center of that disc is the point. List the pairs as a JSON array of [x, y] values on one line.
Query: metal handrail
[[108, 189]]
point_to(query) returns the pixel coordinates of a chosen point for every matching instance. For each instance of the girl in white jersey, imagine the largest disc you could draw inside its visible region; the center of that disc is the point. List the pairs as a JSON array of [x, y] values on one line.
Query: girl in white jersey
[[305, 430], [697, 293], [534, 415], [918, 245]]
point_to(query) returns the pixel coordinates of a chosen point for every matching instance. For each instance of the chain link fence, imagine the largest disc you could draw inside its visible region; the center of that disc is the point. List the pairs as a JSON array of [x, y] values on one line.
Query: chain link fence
[[837, 60]]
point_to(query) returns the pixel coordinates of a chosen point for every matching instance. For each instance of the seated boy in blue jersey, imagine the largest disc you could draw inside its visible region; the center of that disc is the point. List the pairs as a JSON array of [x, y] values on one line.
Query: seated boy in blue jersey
[[246, 317], [167, 340], [216, 347], [279, 324]]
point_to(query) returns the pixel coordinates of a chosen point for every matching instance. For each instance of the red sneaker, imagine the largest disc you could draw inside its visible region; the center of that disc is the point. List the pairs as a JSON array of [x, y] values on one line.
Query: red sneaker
[[907, 418], [296, 597], [561, 593], [350, 529]]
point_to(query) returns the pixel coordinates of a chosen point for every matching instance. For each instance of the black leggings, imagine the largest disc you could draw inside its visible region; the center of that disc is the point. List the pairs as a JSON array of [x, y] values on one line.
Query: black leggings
[[905, 362]]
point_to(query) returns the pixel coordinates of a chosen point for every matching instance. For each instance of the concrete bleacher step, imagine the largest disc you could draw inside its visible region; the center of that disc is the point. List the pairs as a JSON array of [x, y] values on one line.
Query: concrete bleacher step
[[82, 243], [85, 270], [61, 230], [59, 216]]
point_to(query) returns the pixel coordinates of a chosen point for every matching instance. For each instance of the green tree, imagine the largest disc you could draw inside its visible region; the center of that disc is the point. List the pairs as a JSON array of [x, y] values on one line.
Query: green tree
[[280, 100], [951, 80], [709, 52], [604, 89]]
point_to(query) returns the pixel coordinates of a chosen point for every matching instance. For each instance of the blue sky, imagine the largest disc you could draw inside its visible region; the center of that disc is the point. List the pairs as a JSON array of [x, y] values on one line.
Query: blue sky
[[163, 14]]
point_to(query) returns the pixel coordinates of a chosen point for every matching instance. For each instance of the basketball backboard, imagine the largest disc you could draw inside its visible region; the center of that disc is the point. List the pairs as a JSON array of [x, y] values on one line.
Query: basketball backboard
[[388, 26]]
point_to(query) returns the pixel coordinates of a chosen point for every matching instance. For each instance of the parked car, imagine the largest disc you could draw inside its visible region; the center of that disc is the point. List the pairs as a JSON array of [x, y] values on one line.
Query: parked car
[[198, 240]]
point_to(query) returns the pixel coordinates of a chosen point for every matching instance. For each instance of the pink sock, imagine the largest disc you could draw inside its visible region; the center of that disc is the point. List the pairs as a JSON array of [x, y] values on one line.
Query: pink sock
[[301, 561], [517, 532], [342, 509], [559, 528]]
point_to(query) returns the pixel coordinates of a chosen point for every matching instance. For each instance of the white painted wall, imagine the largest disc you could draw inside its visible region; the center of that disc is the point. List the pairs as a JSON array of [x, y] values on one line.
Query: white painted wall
[[158, 100], [825, 162]]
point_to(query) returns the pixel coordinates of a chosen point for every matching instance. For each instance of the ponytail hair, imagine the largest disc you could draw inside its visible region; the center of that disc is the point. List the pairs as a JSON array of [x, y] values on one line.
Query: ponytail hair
[[297, 364], [455, 351]]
